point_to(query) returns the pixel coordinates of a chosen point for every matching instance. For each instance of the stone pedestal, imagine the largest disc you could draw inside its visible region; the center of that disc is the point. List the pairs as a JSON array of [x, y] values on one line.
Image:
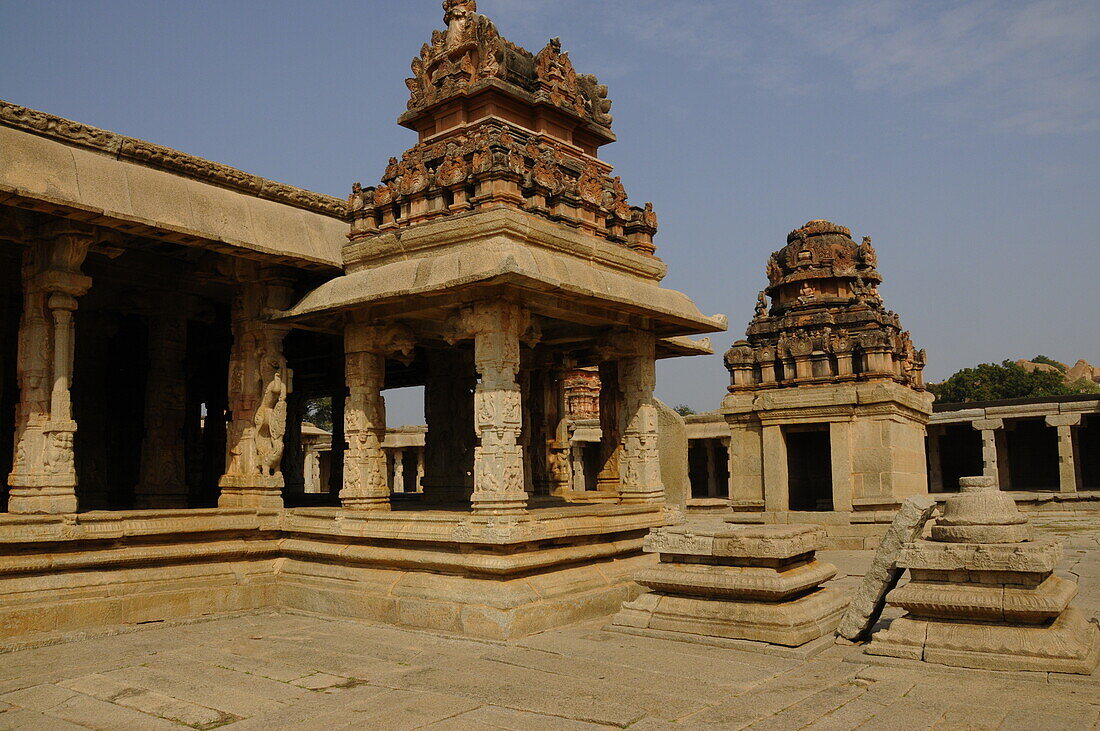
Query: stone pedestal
[[983, 593], [716, 579]]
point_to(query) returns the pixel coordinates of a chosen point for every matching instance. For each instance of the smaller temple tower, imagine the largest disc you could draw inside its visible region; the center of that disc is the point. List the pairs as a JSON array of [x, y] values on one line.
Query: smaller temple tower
[[826, 406]]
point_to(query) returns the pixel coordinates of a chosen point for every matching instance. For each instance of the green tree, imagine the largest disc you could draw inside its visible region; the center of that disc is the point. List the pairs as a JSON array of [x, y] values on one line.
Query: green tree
[[1050, 362], [991, 382], [319, 412], [684, 410]]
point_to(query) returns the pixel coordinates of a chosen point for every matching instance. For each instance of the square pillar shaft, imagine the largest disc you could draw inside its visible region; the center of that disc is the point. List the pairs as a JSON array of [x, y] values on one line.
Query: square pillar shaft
[[776, 490], [162, 481], [1068, 477], [840, 447], [639, 465], [498, 413], [990, 463]]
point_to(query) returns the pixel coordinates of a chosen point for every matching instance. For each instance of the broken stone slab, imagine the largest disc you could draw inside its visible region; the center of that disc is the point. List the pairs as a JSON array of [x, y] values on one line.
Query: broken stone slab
[[867, 604]]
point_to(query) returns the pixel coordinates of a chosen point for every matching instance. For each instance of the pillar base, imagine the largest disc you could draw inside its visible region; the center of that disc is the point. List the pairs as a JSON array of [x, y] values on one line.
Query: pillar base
[[47, 499], [496, 503], [251, 491], [374, 503]]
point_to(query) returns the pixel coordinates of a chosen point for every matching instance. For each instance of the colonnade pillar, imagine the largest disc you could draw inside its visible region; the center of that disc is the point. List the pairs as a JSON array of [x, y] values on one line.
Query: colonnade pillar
[[639, 463], [259, 381], [366, 486], [935, 462], [498, 458], [43, 477], [1069, 478], [990, 463]]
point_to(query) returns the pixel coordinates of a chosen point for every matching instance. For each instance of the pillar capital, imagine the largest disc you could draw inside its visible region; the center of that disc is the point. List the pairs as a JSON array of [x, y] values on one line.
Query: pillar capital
[[987, 424], [1063, 420]]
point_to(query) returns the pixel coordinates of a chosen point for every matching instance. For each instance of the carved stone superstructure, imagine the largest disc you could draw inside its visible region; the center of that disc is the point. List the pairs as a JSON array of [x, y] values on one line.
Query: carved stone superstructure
[[502, 127], [827, 322], [829, 372]]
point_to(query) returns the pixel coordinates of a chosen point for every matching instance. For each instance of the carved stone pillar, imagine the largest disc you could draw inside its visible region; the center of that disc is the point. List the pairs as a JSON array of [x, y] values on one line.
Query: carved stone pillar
[[163, 482], [639, 464], [43, 477], [498, 458], [576, 453], [608, 479], [1069, 478], [990, 463], [420, 469], [259, 381], [366, 486], [399, 470]]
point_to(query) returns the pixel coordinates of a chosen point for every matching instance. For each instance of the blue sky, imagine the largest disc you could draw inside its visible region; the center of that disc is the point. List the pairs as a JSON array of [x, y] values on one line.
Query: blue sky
[[963, 137]]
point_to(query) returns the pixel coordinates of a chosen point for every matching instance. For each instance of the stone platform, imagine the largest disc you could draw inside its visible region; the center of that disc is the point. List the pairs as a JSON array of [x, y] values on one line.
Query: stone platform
[[715, 579], [494, 577], [983, 594]]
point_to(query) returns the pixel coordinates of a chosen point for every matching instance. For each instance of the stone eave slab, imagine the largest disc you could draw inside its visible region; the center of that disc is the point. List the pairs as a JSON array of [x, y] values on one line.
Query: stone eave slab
[[510, 267]]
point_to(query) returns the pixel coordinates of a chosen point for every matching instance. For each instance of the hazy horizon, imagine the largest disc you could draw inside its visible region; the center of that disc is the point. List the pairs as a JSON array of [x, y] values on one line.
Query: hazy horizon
[[963, 137]]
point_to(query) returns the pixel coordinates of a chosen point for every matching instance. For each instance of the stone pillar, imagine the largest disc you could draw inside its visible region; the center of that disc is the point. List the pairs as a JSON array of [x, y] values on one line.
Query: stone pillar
[[608, 478], [746, 464], [420, 469], [448, 411], [43, 477], [399, 470], [639, 465], [935, 464], [1069, 478], [840, 455], [576, 454], [366, 486], [498, 458], [259, 381], [727, 444], [988, 428], [775, 469], [162, 482], [712, 472]]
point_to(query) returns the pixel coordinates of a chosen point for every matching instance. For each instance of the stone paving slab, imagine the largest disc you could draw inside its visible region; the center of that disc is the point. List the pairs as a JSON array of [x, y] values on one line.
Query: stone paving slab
[[269, 671]]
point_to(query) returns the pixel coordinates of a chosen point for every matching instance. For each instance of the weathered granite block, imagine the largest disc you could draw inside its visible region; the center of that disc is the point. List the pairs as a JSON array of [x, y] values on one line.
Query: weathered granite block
[[867, 605], [716, 579]]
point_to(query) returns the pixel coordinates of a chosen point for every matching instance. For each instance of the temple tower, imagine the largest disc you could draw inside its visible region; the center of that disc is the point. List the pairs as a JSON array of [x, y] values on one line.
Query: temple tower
[[826, 404]]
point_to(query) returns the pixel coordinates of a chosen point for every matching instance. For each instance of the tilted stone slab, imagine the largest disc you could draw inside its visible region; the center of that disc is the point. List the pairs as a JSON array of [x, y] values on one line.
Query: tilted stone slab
[[867, 605]]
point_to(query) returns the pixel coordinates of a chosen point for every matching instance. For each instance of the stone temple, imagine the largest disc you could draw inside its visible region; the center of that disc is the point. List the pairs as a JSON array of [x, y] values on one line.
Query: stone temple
[[827, 390], [167, 323], [173, 316]]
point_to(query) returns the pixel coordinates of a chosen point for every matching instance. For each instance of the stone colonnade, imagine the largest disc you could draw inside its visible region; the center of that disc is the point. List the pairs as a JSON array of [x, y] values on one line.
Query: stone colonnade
[[998, 455], [498, 466]]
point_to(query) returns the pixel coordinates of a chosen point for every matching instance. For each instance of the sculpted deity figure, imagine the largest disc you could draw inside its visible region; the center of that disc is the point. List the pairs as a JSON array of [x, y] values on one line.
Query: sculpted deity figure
[[761, 305], [459, 16], [866, 253], [806, 293]]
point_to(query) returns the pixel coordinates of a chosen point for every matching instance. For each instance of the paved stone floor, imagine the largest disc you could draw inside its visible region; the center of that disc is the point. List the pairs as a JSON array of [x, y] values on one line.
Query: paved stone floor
[[275, 671]]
